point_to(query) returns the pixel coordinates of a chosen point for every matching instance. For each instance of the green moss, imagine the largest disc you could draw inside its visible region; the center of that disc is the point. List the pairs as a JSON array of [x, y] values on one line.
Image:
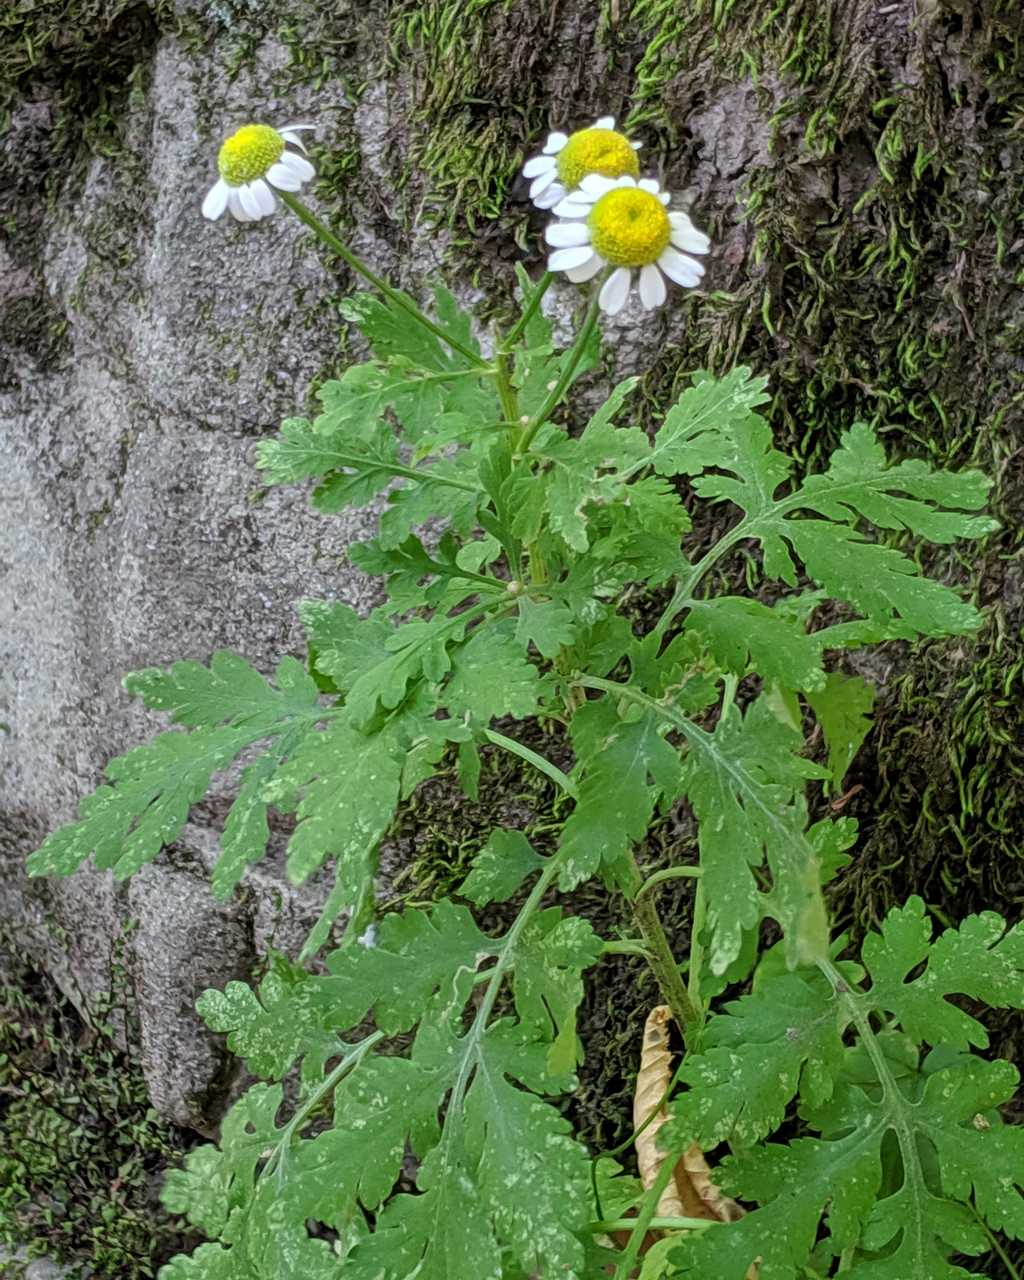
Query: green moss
[[82, 1150]]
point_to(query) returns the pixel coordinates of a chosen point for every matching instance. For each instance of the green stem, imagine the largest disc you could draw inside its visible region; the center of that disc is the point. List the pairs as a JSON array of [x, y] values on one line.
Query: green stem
[[506, 392], [663, 963], [641, 1224], [671, 873], [683, 593], [625, 947], [700, 915], [1011, 1271], [538, 761], [347, 1064], [656, 1224], [396, 469], [568, 372], [660, 958], [516, 332], [393, 295]]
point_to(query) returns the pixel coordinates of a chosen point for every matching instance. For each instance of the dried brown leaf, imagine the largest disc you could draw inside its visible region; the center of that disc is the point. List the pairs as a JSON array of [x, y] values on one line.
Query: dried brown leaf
[[692, 1192]]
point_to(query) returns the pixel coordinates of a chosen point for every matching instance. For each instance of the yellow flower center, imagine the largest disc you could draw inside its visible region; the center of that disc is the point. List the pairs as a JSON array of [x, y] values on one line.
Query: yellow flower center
[[595, 151], [629, 227], [249, 153]]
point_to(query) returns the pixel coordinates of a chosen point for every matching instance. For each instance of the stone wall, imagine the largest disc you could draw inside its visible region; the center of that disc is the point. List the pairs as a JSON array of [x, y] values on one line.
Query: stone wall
[[861, 172]]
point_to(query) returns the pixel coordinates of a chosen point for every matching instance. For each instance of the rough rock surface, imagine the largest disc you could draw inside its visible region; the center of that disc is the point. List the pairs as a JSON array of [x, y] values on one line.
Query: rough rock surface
[[862, 176], [134, 533]]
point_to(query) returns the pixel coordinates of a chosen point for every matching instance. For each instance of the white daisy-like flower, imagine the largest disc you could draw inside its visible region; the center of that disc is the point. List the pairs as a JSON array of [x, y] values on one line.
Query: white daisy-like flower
[[627, 225], [568, 158], [252, 162]]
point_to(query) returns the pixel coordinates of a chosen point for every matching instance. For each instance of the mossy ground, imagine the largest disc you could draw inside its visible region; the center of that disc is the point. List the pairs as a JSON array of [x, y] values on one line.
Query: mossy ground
[[82, 1151]]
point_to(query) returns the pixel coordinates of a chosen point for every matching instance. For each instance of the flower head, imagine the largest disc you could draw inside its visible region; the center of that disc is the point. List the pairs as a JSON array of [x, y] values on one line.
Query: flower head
[[627, 225], [568, 158], [253, 161]]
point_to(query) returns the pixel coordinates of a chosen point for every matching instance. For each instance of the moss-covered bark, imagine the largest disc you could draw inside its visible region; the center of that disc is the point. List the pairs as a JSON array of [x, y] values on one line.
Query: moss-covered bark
[[862, 175]]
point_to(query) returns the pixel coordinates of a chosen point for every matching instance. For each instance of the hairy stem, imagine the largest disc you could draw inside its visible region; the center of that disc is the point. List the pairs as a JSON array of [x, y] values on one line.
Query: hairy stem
[[663, 964], [393, 295]]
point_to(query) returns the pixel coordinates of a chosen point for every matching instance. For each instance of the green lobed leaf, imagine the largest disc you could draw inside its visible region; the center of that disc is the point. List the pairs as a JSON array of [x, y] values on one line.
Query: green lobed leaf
[[691, 435], [491, 677], [745, 783], [349, 783], [742, 634], [506, 1178], [125, 825], [228, 691], [416, 955], [547, 624], [983, 959], [500, 868], [843, 709], [292, 1014], [859, 485], [766, 1048], [550, 958], [623, 767]]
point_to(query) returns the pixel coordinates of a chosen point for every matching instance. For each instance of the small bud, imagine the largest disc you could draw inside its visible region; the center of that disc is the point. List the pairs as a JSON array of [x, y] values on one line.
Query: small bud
[[514, 588], [525, 419]]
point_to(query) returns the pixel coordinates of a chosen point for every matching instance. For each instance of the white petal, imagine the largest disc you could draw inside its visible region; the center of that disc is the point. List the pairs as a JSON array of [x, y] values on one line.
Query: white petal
[[555, 142], [682, 270], [578, 205], [290, 133], [664, 197], [615, 291], [625, 181], [547, 199], [636, 145], [596, 185], [285, 179], [542, 182], [250, 202], [538, 165], [564, 259], [648, 184], [564, 235], [216, 200], [302, 168], [606, 122], [652, 287], [235, 205], [686, 236], [586, 270], [264, 196]]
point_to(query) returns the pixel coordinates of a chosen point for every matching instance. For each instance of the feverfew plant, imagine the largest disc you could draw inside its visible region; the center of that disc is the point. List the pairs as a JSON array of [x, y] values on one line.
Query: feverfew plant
[[424, 1134]]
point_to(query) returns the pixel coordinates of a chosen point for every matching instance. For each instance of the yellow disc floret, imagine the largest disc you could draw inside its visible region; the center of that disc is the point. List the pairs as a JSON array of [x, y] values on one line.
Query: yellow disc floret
[[596, 151], [249, 153], [629, 227]]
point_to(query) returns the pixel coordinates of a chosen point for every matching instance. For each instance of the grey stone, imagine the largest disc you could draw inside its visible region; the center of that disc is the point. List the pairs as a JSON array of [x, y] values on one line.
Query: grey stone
[[135, 531], [15, 1263]]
